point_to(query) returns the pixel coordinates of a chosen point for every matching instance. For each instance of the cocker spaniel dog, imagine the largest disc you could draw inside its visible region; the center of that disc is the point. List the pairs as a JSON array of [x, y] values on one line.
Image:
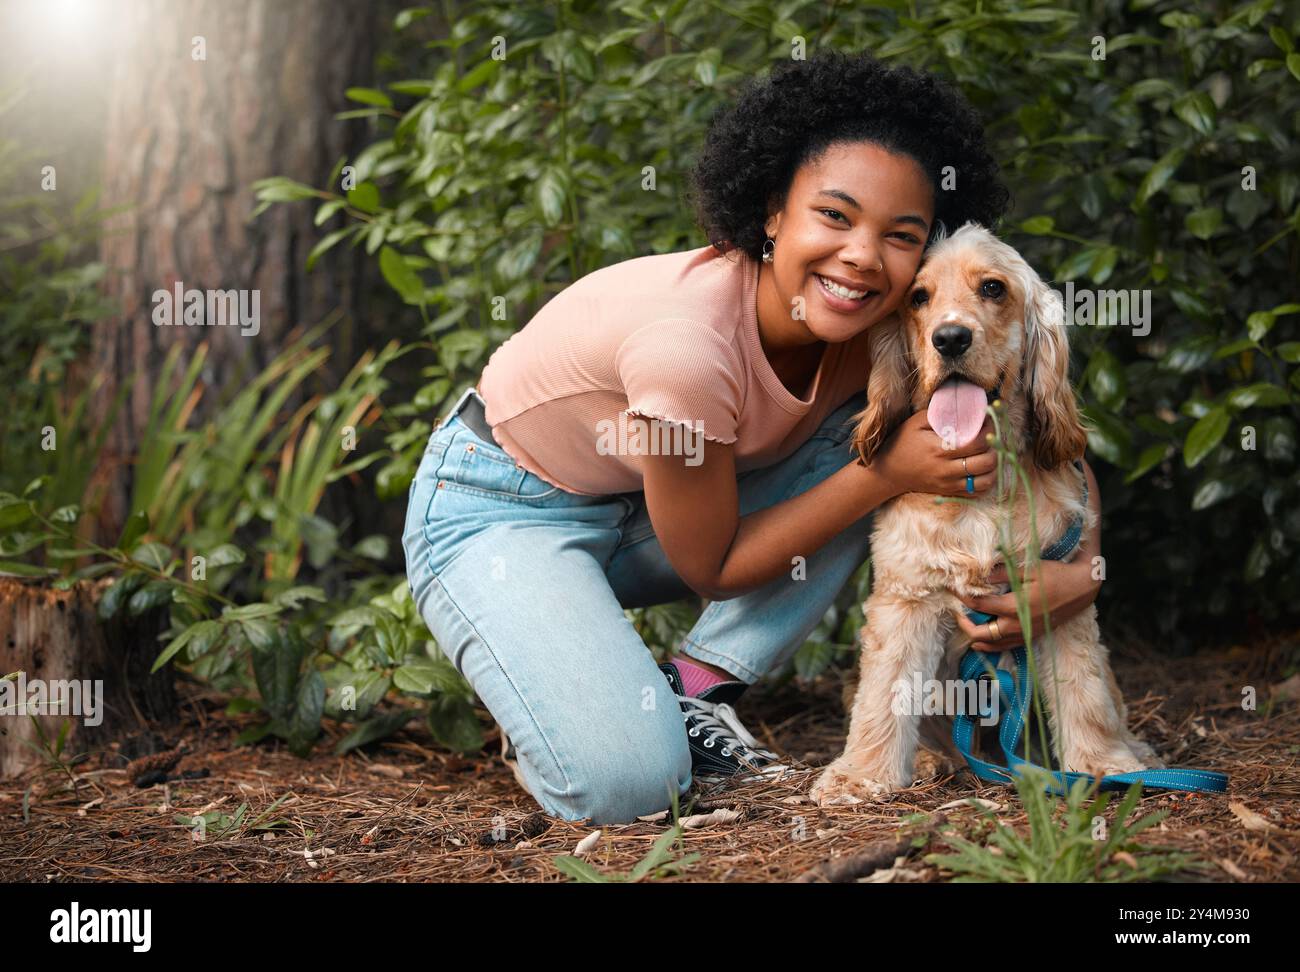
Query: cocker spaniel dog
[[978, 325]]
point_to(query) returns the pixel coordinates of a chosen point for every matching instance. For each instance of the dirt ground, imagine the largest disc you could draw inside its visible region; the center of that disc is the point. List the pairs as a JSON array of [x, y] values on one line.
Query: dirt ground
[[403, 811]]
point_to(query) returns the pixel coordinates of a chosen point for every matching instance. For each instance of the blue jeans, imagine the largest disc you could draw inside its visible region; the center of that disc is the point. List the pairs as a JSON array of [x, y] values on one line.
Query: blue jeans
[[523, 586]]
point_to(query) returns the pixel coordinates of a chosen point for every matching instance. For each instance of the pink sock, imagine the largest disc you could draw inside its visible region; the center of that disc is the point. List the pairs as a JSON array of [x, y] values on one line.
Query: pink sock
[[695, 678]]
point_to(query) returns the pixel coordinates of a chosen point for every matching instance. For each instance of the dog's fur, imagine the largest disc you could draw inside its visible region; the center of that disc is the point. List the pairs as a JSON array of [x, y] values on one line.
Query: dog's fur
[[923, 551]]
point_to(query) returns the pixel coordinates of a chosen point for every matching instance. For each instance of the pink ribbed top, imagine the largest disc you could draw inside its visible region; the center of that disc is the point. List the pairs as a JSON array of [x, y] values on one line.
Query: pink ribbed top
[[672, 336]]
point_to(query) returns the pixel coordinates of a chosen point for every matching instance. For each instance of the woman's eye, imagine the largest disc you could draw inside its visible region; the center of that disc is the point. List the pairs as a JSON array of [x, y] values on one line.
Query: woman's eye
[[992, 289], [909, 237], [833, 212], [919, 297]]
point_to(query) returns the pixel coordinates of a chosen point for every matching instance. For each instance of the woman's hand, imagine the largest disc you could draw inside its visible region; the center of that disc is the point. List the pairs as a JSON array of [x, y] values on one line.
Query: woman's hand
[[1057, 593], [913, 460]]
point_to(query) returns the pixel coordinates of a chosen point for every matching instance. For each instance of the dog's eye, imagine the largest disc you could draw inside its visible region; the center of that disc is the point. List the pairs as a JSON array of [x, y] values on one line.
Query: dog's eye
[[919, 297], [992, 289]]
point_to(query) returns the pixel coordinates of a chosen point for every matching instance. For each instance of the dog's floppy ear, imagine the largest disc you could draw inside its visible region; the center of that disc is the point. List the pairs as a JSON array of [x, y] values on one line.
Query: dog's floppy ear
[[888, 392], [1056, 433]]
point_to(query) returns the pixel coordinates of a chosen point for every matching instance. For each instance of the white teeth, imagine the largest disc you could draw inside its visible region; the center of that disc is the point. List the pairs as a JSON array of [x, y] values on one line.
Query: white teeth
[[839, 291]]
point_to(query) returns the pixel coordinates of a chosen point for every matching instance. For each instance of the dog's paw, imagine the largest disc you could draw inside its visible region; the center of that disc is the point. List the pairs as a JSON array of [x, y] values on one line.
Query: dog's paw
[[1118, 759], [930, 764], [839, 786], [1145, 754]]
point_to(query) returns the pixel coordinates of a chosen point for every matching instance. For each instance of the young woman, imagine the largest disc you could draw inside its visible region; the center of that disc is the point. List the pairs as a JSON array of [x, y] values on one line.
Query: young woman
[[678, 423]]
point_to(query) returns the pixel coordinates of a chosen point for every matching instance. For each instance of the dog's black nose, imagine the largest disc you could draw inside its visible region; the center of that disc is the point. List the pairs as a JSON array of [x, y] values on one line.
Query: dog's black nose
[[951, 340]]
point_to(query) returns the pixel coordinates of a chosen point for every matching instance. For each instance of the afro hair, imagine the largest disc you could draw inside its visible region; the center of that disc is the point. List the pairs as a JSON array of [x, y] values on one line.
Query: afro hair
[[754, 147]]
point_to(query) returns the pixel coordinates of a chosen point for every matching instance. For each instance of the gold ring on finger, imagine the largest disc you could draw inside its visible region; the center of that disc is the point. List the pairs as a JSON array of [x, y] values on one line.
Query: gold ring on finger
[[993, 628]]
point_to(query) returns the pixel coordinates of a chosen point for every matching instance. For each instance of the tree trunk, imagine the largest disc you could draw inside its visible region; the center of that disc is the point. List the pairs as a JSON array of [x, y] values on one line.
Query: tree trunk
[[52, 635], [185, 139]]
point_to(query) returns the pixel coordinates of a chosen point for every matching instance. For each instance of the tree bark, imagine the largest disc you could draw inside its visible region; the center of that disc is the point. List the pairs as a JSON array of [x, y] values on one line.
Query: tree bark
[[185, 139], [54, 635]]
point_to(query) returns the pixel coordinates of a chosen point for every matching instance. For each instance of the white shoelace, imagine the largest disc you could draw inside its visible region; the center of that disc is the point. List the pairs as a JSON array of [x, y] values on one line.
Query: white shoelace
[[719, 723]]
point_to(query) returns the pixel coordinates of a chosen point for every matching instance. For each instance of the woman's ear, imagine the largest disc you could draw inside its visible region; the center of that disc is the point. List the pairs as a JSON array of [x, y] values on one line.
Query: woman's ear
[[888, 387], [1057, 434]]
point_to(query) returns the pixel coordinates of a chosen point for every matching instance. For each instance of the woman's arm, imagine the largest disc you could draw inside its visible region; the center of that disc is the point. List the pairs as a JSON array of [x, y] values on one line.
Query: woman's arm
[[694, 508], [694, 511], [1065, 588]]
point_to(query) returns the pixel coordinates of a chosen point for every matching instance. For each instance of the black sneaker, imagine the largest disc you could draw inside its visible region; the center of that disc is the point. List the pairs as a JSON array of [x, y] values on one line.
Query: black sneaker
[[721, 747]]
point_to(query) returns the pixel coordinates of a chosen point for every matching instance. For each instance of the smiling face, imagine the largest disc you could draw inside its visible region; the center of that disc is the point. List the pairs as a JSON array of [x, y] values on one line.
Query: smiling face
[[855, 208]]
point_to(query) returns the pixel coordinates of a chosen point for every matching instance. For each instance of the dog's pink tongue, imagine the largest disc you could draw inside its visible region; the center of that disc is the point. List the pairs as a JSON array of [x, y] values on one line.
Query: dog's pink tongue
[[956, 411]]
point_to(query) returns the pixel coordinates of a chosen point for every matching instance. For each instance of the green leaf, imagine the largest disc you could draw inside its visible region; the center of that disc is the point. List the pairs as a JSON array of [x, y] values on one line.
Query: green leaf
[[580, 870], [294, 596], [119, 592], [1261, 393], [1207, 433], [154, 594], [1196, 109], [225, 555], [364, 197], [280, 189], [1103, 264], [249, 611], [424, 676], [326, 243], [373, 547], [1257, 562], [259, 633], [1147, 461], [400, 276], [453, 724], [308, 708], [516, 261], [19, 569], [152, 554], [706, 68], [375, 728], [369, 96], [136, 525], [1038, 225], [254, 734], [204, 635], [1293, 65], [1106, 377], [479, 74], [14, 511], [1109, 437], [1040, 15], [328, 209], [552, 193], [1259, 323], [1211, 490], [1202, 223], [1159, 174]]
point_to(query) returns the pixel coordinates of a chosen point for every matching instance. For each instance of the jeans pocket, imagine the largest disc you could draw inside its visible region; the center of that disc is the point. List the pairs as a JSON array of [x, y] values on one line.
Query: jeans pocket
[[473, 466]]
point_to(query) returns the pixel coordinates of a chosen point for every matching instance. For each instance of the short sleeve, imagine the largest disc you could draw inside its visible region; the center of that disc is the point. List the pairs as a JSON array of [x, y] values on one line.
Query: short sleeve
[[685, 372]]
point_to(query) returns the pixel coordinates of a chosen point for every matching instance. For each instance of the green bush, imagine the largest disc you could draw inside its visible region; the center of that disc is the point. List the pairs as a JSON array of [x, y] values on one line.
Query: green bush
[[1125, 131]]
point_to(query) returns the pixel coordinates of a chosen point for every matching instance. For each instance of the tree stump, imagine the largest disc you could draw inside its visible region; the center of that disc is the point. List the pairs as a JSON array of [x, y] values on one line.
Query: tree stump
[[56, 635]]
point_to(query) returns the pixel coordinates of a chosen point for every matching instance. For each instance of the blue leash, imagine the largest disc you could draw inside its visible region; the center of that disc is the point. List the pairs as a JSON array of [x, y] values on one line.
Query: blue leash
[[1014, 691]]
